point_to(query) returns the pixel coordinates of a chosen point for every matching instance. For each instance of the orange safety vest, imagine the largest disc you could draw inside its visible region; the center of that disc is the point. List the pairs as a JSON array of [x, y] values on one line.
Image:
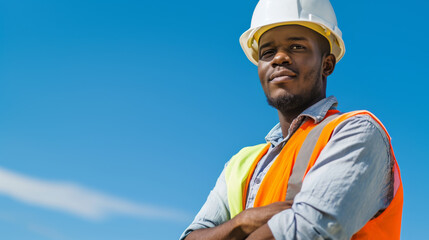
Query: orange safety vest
[[284, 178]]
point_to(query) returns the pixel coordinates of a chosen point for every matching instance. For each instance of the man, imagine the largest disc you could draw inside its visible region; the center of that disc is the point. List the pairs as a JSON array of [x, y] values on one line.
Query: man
[[322, 174]]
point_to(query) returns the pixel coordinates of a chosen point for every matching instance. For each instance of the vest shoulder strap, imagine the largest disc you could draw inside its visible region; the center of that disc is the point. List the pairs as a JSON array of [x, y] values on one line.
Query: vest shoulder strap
[[303, 158]]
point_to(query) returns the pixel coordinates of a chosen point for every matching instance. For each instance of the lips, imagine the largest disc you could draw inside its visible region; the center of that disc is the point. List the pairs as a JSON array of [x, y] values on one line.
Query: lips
[[282, 75]]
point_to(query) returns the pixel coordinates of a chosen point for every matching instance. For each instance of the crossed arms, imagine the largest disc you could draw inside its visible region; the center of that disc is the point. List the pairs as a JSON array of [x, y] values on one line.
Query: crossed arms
[[249, 224]]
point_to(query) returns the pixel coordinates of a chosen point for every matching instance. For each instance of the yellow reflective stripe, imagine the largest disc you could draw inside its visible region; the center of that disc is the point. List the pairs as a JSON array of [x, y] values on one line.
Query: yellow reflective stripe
[[236, 174]]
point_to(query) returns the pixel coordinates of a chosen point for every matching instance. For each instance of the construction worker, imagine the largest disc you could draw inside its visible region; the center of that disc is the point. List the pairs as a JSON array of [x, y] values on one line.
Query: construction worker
[[322, 174]]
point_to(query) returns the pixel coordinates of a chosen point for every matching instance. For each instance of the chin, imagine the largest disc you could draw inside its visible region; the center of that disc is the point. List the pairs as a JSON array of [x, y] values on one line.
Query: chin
[[285, 102]]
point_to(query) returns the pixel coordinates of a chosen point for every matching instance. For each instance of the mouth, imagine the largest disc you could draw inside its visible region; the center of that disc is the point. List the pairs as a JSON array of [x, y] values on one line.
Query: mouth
[[282, 75]]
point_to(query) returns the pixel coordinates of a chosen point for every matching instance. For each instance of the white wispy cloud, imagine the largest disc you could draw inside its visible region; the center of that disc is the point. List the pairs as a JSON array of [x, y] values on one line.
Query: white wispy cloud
[[78, 200]]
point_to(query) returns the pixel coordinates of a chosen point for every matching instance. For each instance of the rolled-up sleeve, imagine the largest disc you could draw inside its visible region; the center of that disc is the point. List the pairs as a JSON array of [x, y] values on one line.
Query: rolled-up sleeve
[[347, 186], [215, 210]]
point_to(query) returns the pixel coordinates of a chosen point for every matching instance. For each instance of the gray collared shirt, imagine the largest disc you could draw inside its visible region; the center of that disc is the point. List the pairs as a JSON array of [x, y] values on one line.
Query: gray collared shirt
[[347, 186]]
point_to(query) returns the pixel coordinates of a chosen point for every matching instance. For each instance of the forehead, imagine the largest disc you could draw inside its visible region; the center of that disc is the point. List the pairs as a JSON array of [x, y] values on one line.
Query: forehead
[[289, 32]]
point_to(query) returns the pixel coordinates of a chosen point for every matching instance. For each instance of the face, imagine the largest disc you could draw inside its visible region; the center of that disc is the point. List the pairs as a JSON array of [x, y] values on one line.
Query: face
[[294, 62]]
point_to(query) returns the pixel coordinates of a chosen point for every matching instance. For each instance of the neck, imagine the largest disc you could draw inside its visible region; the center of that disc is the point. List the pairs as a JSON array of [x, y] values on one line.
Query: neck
[[286, 121]]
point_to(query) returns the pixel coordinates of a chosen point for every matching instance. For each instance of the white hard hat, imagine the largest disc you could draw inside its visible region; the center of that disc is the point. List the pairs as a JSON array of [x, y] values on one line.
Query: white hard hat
[[317, 15]]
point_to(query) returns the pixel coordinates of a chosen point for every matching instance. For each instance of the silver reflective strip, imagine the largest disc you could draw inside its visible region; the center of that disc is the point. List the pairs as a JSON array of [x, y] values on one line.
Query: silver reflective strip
[[304, 155]]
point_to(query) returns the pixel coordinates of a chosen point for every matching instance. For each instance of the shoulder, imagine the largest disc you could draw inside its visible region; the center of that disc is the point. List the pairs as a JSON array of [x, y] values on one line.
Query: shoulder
[[251, 149], [361, 135], [247, 152], [364, 124], [243, 159]]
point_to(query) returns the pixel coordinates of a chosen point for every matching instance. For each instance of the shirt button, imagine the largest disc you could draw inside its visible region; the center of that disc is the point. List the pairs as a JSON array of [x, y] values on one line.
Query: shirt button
[[257, 180], [333, 228]]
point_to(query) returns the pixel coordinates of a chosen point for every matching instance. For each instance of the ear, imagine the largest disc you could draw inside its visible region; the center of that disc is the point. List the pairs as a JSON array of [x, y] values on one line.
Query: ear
[[328, 65]]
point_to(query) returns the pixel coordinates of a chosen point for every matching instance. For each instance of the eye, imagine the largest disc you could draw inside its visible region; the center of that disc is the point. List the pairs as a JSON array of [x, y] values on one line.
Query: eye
[[267, 53], [297, 47]]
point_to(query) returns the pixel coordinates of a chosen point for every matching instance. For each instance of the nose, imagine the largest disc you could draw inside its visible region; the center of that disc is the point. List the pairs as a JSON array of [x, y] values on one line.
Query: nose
[[281, 58]]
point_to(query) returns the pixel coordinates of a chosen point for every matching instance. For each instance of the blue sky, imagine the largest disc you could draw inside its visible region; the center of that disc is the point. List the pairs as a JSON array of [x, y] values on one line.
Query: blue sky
[[116, 117]]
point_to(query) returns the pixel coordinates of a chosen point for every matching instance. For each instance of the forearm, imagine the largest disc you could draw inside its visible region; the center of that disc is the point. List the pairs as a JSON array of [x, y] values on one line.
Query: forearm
[[293, 225], [231, 229], [243, 224]]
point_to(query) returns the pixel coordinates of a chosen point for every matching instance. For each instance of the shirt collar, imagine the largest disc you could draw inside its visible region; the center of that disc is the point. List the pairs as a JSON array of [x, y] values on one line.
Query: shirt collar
[[317, 112]]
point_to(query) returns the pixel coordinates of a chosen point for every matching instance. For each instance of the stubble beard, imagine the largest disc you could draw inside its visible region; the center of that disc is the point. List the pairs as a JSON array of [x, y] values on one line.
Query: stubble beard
[[290, 104], [286, 103]]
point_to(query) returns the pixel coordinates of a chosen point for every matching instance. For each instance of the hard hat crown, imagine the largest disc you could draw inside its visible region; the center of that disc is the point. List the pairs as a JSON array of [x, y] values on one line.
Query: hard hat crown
[[317, 15]]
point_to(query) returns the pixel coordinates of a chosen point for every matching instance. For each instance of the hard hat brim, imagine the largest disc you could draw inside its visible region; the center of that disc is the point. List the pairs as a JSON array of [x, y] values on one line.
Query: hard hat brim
[[250, 45]]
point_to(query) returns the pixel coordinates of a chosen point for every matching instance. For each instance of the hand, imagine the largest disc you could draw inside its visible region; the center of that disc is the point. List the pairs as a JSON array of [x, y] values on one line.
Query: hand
[[262, 233], [253, 218]]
